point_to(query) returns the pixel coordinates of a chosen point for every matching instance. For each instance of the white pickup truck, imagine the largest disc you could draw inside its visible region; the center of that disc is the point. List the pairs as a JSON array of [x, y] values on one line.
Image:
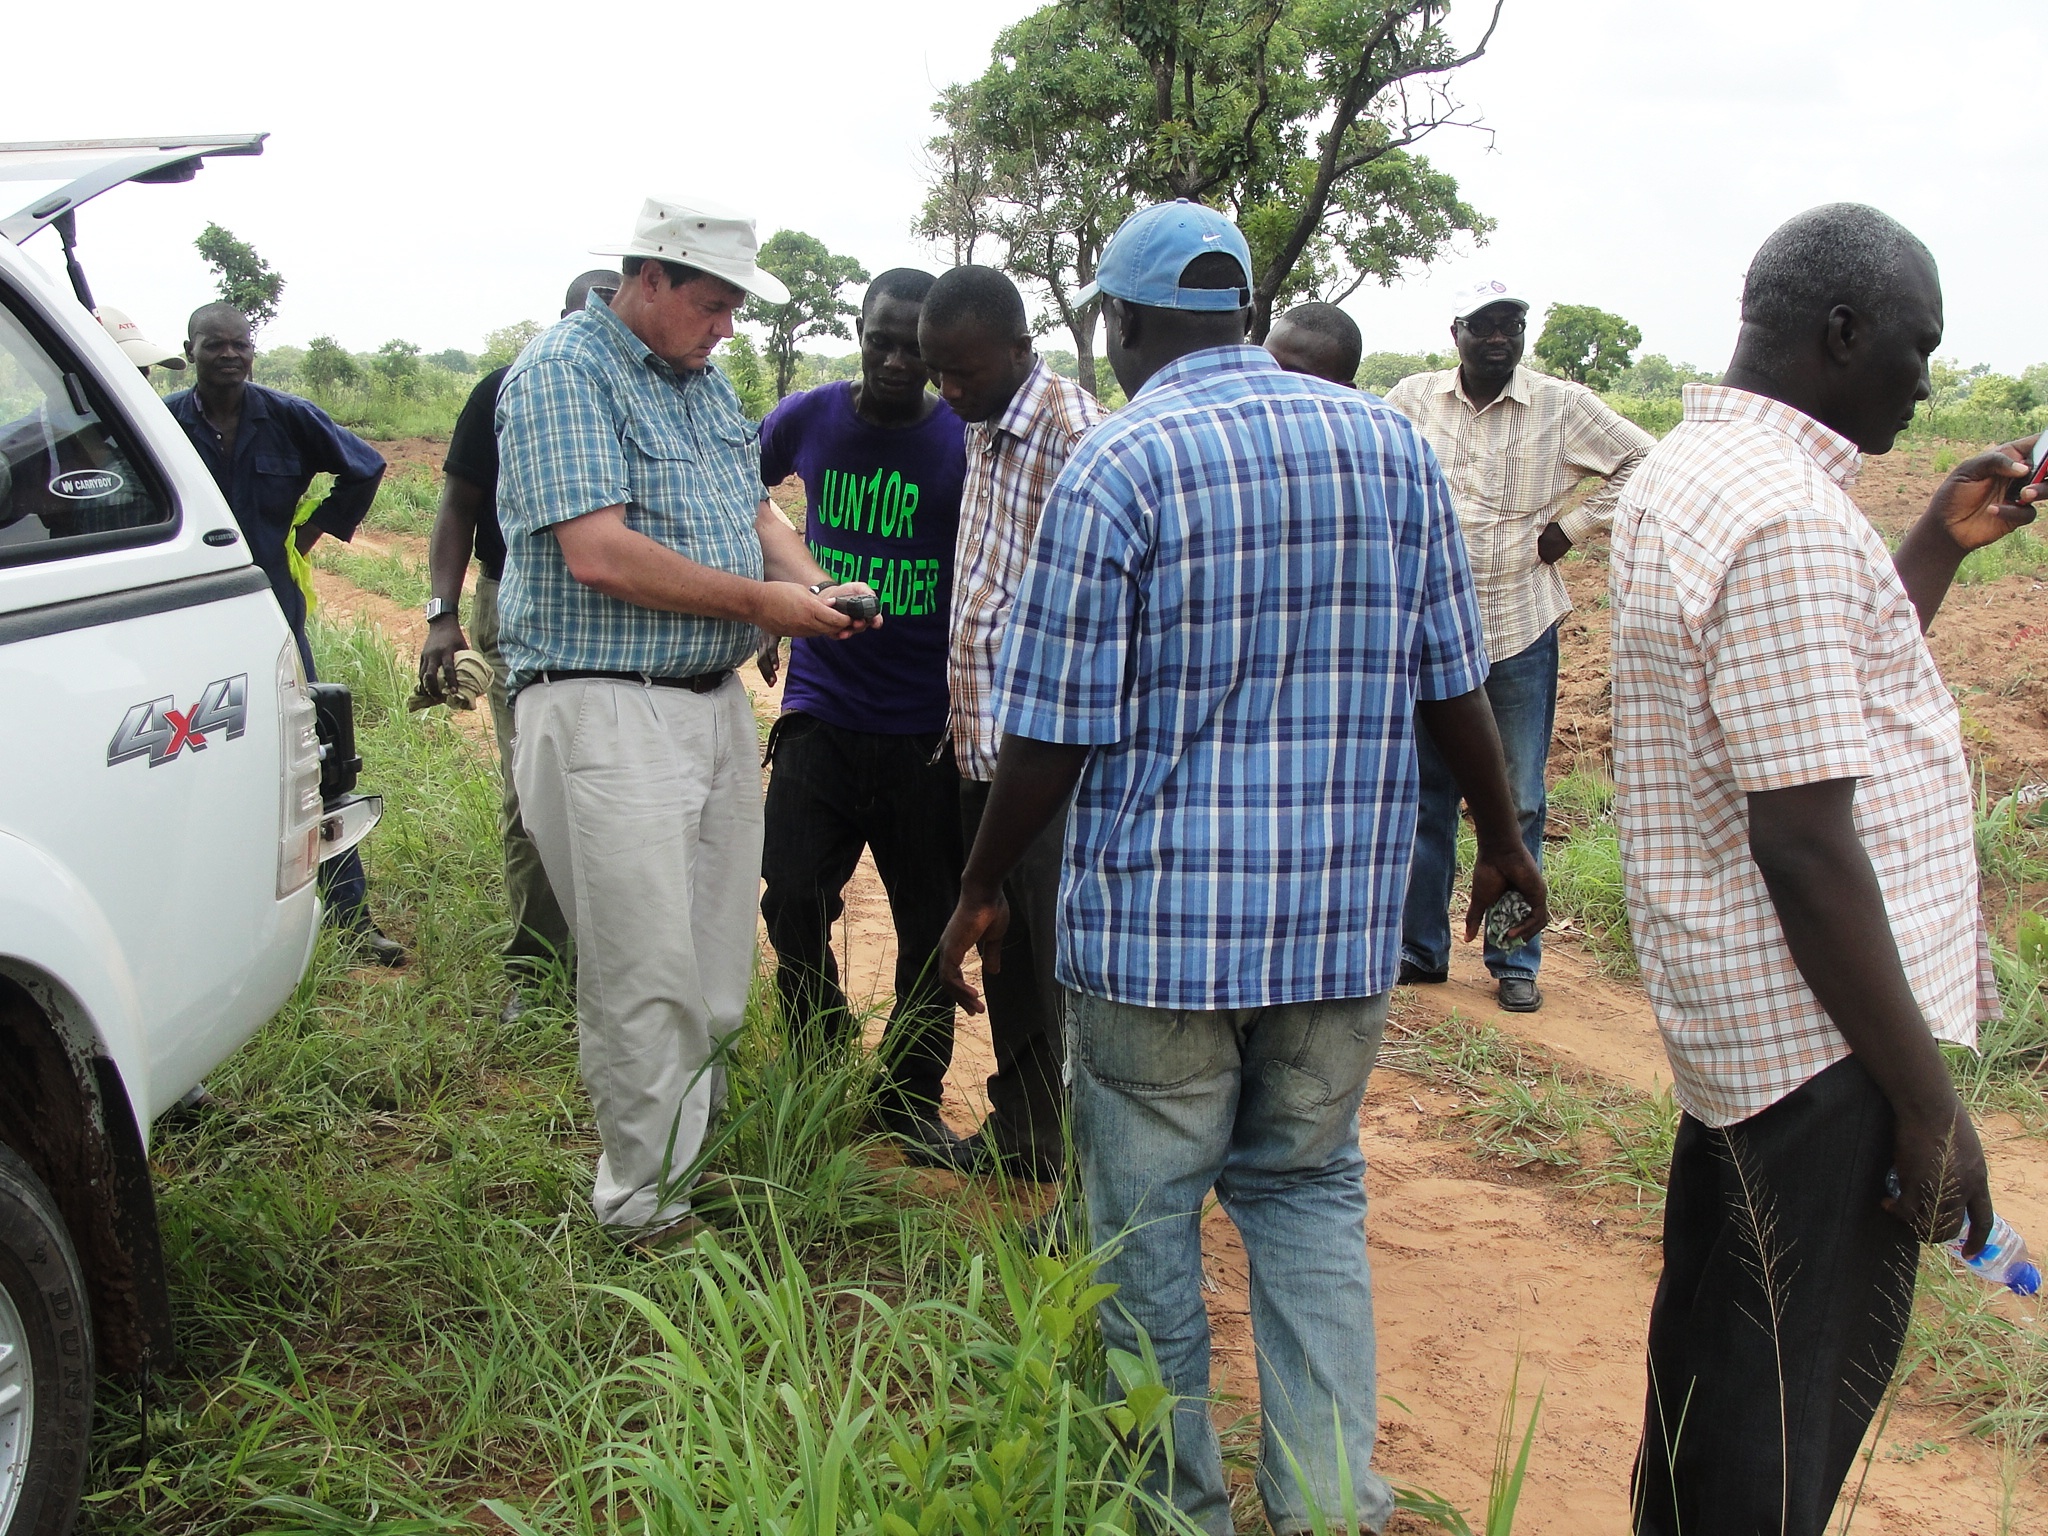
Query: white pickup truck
[[168, 788]]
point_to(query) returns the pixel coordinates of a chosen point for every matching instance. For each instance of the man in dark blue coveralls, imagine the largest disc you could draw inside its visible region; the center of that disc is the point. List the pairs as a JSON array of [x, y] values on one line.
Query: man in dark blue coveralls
[[263, 448]]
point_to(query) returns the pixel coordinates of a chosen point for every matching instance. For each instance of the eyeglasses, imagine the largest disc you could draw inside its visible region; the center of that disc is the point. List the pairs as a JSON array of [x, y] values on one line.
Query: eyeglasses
[[1481, 329]]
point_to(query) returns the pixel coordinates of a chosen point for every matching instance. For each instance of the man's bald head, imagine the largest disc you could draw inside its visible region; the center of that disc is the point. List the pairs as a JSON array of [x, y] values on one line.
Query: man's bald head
[[1841, 312], [600, 278], [1317, 339], [216, 319]]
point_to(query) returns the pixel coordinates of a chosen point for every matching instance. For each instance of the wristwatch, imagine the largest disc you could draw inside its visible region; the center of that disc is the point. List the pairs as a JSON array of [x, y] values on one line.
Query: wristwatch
[[820, 587], [437, 608]]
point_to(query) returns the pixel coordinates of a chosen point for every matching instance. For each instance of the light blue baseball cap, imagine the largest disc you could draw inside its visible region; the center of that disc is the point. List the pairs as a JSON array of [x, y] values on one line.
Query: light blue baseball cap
[[1144, 259]]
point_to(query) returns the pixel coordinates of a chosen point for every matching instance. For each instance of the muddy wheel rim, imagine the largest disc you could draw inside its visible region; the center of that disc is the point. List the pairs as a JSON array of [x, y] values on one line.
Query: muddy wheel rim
[[17, 1408]]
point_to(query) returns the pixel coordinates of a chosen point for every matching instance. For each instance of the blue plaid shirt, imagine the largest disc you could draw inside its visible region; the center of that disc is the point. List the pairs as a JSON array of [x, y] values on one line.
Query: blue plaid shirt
[[589, 418], [1244, 581]]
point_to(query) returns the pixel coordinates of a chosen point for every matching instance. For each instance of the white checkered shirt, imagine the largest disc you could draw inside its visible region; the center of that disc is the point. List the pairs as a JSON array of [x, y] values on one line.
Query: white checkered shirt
[[1012, 462], [1762, 639], [1511, 465]]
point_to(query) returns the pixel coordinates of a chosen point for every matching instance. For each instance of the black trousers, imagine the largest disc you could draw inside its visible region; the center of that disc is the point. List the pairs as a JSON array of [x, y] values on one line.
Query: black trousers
[[1027, 1098], [832, 792], [1779, 1316]]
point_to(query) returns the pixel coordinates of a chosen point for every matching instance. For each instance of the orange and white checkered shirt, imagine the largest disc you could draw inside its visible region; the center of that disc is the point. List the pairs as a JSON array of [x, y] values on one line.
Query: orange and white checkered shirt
[[1762, 639], [1512, 464], [1012, 462]]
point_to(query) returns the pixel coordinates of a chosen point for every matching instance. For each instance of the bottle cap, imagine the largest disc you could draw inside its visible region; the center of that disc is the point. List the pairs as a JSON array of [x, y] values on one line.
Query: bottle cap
[[2024, 1280]]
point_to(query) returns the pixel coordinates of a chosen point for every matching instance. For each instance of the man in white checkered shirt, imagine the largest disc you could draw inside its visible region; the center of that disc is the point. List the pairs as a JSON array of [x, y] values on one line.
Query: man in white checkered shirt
[[1514, 445], [1796, 826]]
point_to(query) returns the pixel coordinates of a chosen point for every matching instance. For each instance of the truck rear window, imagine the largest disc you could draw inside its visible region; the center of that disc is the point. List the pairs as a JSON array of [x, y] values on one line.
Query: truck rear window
[[70, 480]]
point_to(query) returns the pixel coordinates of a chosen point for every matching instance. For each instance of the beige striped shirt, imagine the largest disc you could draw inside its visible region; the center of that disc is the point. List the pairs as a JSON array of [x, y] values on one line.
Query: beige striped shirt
[[1763, 639], [1512, 464], [1012, 462]]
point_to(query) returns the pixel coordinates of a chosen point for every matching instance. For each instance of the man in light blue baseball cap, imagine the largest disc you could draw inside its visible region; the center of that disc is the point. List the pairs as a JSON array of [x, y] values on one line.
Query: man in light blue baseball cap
[[1148, 256], [1247, 590]]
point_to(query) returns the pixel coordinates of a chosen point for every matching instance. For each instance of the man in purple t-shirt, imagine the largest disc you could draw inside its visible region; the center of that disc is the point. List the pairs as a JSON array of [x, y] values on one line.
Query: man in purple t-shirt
[[860, 755]]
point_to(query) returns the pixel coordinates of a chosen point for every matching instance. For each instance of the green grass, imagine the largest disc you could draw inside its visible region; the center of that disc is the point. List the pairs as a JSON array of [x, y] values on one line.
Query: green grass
[[1527, 1111], [397, 576], [394, 1305], [2022, 553], [407, 500]]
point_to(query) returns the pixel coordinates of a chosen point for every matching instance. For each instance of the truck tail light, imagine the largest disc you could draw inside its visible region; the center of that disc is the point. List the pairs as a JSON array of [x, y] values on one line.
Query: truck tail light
[[298, 846]]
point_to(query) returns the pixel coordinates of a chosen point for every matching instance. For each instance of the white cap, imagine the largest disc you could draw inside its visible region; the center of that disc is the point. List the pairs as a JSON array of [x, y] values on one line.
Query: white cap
[[1484, 294], [701, 235], [136, 347]]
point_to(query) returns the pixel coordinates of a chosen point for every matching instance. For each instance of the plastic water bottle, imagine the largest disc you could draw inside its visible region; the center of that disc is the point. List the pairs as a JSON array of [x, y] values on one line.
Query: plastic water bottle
[[2004, 1260]]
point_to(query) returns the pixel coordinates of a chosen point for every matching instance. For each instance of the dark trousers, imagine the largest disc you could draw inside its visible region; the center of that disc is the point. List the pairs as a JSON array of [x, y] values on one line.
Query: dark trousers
[[832, 792], [1779, 1316], [1026, 1006]]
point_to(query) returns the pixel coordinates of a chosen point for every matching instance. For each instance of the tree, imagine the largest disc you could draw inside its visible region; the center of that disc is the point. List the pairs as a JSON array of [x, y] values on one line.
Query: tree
[[740, 361], [399, 364], [1586, 345], [1295, 115], [813, 276], [328, 366], [244, 279], [505, 344], [1034, 160]]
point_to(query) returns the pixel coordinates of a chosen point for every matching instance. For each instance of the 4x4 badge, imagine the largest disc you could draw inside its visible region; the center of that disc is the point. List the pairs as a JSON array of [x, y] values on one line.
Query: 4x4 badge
[[160, 732]]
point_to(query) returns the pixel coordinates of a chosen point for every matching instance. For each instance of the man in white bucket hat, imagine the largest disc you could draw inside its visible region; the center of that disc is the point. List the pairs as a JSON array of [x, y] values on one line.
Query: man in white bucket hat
[[641, 562]]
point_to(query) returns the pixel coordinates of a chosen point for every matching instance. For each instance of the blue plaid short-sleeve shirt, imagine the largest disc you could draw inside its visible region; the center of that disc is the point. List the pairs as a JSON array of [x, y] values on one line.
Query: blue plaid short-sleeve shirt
[[1243, 582], [589, 418]]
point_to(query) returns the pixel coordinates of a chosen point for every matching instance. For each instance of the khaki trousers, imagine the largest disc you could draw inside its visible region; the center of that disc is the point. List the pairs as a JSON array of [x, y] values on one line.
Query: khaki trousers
[[540, 934], [645, 803]]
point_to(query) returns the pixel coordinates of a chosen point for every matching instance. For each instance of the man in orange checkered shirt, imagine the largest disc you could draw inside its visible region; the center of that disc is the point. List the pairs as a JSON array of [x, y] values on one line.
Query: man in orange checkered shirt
[[1796, 825]]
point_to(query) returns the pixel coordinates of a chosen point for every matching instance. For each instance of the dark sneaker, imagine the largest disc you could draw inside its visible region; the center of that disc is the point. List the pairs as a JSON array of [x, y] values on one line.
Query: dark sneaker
[[928, 1142], [1413, 975], [375, 945], [1055, 1231], [1036, 1167], [1518, 994]]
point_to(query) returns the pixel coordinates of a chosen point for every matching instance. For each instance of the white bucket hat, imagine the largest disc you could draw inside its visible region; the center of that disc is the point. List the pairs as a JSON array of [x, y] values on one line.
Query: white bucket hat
[[136, 347], [701, 235]]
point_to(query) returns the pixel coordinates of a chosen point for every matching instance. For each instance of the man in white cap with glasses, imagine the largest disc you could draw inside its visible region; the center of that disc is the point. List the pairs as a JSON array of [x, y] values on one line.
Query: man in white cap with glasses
[[1514, 445], [641, 562]]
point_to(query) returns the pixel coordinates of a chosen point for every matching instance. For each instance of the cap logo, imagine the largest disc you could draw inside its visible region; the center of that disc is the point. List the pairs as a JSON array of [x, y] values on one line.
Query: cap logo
[[1499, 287]]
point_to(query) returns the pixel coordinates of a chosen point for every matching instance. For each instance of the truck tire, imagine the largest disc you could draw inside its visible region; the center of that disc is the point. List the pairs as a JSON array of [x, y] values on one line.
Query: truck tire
[[46, 1360]]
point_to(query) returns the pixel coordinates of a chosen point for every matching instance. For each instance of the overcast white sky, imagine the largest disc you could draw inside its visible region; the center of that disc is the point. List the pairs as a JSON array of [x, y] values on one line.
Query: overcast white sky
[[436, 170]]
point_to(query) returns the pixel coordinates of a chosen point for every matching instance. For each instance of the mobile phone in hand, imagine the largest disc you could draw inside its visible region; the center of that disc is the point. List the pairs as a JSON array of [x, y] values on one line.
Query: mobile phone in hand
[[858, 605], [2037, 470]]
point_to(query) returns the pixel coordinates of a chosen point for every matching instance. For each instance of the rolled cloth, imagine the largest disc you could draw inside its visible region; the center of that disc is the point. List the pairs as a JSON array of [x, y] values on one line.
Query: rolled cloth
[[472, 682]]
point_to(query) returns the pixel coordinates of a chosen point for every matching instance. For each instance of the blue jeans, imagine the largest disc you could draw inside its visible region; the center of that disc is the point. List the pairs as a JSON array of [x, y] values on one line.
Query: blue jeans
[[1260, 1104], [1523, 693]]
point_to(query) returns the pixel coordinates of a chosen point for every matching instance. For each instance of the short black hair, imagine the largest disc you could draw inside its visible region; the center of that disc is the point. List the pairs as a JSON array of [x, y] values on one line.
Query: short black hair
[[905, 283], [1838, 253], [978, 296], [1335, 327], [1216, 269], [217, 310], [677, 273], [579, 291]]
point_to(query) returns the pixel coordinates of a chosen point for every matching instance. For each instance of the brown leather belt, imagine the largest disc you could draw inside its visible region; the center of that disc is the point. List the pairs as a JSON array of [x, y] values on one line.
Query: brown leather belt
[[702, 682]]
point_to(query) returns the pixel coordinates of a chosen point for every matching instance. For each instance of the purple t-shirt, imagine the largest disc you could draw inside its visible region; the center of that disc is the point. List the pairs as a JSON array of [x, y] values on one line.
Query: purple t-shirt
[[884, 506]]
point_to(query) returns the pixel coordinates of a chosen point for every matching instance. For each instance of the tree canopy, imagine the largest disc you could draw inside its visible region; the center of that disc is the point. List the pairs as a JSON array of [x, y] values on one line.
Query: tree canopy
[[1586, 345], [814, 278], [1295, 116], [243, 278]]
